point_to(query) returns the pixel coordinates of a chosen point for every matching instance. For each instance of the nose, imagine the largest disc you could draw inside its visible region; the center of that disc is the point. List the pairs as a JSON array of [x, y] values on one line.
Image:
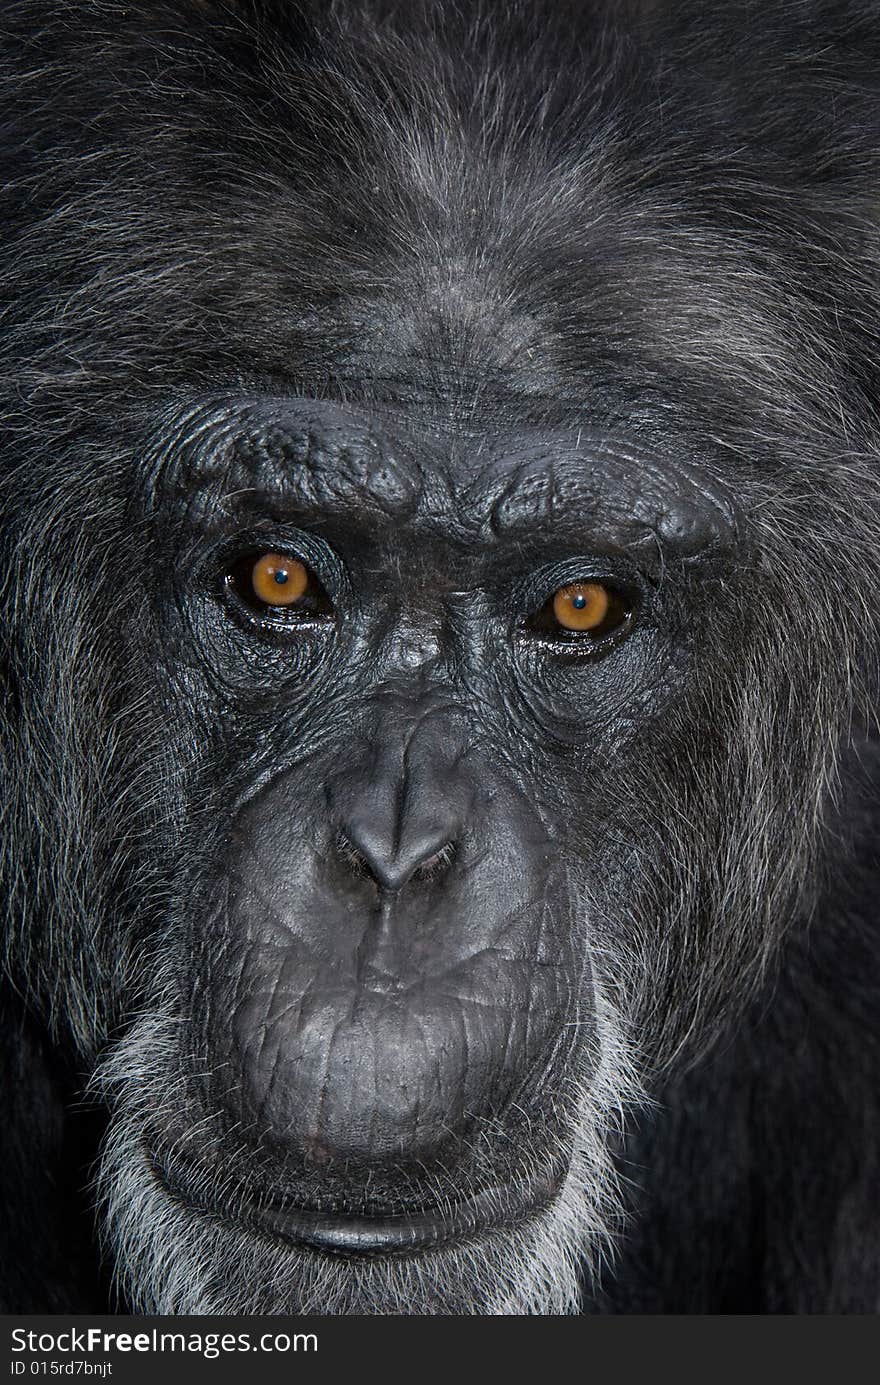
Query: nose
[[423, 848], [400, 815]]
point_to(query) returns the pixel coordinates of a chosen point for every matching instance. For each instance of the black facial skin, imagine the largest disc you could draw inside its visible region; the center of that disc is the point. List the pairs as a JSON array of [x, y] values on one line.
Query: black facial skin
[[396, 845], [404, 948]]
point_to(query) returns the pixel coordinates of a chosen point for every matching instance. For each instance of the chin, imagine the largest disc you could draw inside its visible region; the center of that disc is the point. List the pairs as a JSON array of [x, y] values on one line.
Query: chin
[[202, 1236]]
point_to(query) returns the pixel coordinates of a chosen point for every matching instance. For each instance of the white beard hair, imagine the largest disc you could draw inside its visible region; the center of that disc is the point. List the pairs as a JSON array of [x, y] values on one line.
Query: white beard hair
[[171, 1258]]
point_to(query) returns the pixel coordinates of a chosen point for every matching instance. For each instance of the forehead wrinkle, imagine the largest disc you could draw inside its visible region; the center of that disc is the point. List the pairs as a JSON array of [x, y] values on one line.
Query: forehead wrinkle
[[608, 495], [292, 458], [330, 470]]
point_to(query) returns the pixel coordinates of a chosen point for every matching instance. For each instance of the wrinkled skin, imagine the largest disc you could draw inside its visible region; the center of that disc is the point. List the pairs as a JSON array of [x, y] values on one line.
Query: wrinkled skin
[[367, 924]]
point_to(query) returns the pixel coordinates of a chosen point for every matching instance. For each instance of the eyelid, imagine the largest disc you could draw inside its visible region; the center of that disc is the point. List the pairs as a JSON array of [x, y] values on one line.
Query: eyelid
[[540, 585], [306, 547]]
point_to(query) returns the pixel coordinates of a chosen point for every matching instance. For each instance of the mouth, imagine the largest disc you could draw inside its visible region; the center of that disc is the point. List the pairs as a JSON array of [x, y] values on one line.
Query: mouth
[[368, 1236]]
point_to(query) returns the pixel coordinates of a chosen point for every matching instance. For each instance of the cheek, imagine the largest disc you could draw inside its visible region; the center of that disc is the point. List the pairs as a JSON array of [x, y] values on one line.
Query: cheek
[[592, 705], [246, 664]]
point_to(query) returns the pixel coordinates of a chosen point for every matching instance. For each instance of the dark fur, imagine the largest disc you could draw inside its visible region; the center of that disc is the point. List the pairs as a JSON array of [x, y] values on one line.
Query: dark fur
[[662, 221]]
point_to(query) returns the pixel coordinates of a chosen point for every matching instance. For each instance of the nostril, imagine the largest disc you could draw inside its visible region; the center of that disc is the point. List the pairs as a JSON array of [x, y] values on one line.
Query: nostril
[[355, 860], [369, 855], [436, 864]]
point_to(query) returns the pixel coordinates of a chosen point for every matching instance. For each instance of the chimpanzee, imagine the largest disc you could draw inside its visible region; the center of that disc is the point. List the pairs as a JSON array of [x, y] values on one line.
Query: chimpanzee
[[440, 496]]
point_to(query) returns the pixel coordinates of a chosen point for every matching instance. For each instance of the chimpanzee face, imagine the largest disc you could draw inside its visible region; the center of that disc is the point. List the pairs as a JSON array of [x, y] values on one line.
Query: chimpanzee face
[[412, 665]]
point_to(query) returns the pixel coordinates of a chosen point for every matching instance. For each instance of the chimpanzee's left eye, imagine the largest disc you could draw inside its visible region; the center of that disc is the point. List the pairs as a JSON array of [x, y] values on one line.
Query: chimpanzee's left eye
[[590, 612]]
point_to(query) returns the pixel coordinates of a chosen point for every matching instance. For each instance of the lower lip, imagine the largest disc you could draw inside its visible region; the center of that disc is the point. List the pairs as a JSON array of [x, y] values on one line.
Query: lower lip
[[368, 1236], [375, 1236]]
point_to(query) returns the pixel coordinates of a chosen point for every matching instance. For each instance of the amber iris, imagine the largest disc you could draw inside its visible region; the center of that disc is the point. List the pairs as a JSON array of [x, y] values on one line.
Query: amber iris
[[279, 581], [582, 606]]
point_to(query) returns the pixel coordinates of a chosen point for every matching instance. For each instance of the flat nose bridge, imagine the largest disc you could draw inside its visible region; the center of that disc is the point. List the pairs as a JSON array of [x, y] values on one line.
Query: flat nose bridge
[[403, 810]]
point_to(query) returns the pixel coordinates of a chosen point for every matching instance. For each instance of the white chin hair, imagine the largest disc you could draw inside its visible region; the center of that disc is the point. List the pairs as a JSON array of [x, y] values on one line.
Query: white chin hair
[[172, 1258]]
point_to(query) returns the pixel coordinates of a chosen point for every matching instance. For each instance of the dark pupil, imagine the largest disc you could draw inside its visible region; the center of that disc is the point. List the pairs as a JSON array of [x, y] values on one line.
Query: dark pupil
[[281, 576], [579, 601]]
